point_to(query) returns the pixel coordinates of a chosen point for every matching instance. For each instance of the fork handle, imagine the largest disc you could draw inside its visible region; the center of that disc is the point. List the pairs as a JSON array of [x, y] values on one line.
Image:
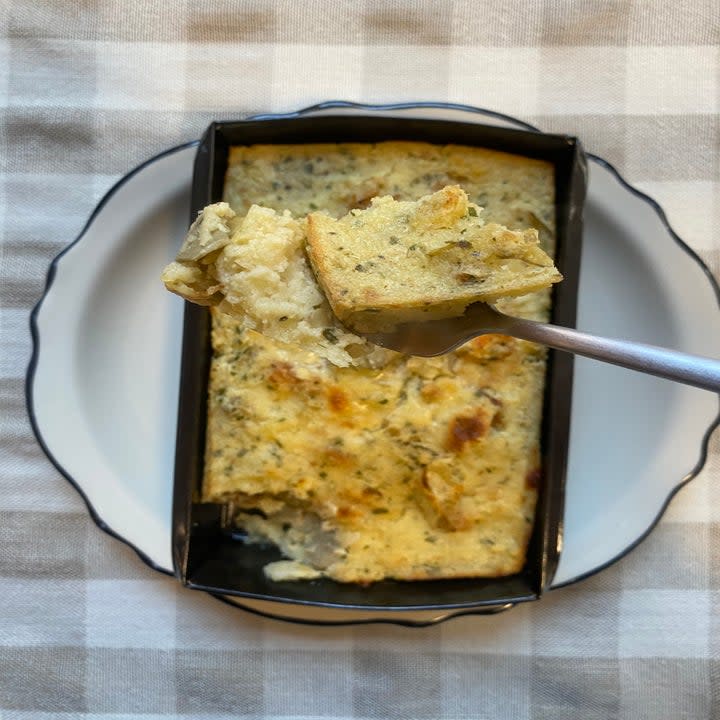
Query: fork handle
[[694, 370]]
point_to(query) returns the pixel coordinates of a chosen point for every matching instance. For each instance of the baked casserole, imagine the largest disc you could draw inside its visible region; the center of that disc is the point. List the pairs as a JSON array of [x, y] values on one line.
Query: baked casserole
[[407, 468]]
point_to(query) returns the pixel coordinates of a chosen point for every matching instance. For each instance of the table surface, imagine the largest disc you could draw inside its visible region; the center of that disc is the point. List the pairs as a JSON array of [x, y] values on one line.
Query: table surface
[[88, 91]]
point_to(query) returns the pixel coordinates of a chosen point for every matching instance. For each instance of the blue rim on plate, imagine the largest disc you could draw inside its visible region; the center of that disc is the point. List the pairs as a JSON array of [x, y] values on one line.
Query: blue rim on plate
[[330, 105]]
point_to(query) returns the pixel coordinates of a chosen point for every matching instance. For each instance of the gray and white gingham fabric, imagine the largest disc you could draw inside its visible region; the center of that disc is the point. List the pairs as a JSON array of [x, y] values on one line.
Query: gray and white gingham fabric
[[90, 89]]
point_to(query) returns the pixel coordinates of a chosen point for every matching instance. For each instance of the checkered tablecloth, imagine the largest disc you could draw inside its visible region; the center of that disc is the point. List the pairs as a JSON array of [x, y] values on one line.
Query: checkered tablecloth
[[90, 89]]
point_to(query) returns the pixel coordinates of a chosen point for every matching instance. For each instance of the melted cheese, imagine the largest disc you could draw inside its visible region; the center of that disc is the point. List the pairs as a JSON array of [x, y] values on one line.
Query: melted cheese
[[423, 468]]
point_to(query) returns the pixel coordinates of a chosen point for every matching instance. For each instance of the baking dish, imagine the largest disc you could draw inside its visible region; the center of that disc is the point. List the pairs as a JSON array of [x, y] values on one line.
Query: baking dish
[[208, 553]]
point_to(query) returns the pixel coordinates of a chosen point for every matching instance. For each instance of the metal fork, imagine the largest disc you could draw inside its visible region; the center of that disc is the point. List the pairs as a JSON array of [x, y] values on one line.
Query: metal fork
[[436, 337]]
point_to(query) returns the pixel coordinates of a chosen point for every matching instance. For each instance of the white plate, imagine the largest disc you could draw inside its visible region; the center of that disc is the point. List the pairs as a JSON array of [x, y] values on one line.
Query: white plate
[[103, 382]]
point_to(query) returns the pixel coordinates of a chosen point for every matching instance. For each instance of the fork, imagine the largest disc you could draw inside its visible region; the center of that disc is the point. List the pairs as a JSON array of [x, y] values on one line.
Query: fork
[[436, 337]]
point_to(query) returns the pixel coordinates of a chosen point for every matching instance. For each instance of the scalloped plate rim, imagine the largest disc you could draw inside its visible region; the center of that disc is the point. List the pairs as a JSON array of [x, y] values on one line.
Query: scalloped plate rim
[[442, 615]]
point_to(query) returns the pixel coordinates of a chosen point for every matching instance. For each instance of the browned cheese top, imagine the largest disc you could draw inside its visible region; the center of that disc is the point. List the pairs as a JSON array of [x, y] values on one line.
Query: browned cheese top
[[422, 468]]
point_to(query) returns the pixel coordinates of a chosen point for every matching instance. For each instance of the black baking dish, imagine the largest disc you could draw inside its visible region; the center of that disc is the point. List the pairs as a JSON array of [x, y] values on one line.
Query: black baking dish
[[207, 555]]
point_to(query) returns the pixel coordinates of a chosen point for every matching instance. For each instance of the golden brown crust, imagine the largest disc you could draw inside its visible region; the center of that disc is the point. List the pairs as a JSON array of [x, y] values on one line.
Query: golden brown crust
[[403, 261], [425, 468]]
